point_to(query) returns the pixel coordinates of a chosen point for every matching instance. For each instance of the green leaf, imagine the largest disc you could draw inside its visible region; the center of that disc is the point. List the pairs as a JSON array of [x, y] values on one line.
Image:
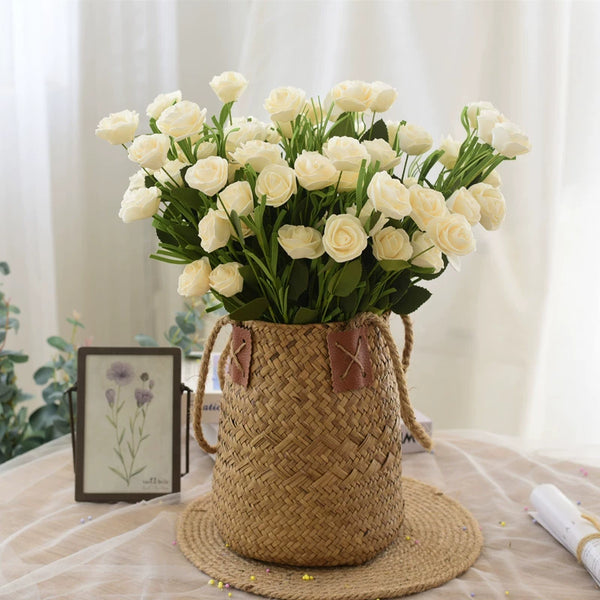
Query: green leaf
[[60, 344], [346, 279], [394, 265], [145, 341], [298, 279], [344, 126], [379, 130], [43, 375], [75, 323], [119, 474], [186, 326], [16, 357], [53, 392], [249, 278], [306, 315], [252, 311], [137, 472], [428, 164], [43, 417], [4, 268], [414, 297]]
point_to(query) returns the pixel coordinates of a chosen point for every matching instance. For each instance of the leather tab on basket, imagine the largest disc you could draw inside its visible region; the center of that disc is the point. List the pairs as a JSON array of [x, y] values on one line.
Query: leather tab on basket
[[350, 360], [241, 355]]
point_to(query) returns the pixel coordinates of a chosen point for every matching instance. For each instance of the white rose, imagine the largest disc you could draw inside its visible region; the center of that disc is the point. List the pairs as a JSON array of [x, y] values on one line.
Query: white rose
[[209, 175], [348, 181], [427, 204], [162, 101], [414, 140], [285, 103], [486, 121], [213, 230], [277, 183], [392, 130], [140, 203], [150, 151], [451, 148], [181, 120], [463, 203], [509, 140], [352, 96], [389, 196], [226, 280], [330, 109], [137, 180], [425, 253], [314, 171], [344, 237], [452, 234], [272, 136], [171, 172], [492, 204], [380, 151], [365, 214], [475, 108], [493, 179], [244, 129], [392, 244], [346, 153], [238, 197], [118, 128], [300, 242], [205, 149], [384, 96], [286, 128], [258, 155], [194, 279], [228, 86]]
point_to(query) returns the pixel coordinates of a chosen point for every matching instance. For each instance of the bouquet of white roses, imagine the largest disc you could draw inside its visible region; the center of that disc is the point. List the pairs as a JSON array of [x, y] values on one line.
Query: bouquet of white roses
[[324, 212]]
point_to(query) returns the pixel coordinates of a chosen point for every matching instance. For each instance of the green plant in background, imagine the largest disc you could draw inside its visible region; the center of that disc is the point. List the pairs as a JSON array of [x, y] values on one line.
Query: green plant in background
[[52, 419], [16, 434]]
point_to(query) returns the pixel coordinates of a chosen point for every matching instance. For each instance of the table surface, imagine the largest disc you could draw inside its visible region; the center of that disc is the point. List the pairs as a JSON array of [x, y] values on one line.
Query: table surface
[[129, 551]]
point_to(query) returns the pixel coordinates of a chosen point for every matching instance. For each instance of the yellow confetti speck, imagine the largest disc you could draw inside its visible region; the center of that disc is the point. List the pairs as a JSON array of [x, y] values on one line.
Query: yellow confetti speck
[[407, 537], [227, 545], [252, 578], [507, 593], [211, 582], [220, 585], [229, 594], [502, 523]]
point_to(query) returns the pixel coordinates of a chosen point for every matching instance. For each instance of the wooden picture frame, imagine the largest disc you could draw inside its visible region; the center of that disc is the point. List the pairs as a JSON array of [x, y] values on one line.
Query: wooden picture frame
[[128, 423]]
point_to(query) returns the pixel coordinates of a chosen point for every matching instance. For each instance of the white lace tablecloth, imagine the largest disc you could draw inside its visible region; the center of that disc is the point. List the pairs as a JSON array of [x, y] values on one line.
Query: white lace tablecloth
[[124, 551]]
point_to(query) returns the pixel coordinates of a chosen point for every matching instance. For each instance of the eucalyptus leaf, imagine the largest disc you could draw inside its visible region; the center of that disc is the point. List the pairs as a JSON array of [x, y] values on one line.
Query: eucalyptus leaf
[[145, 340], [60, 344], [186, 326], [43, 375]]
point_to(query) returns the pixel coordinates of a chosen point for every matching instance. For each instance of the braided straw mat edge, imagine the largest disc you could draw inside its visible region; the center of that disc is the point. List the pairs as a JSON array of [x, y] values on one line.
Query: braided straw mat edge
[[444, 541]]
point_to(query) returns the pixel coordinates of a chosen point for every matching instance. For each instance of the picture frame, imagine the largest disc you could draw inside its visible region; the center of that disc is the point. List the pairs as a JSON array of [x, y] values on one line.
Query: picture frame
[[128, 426]]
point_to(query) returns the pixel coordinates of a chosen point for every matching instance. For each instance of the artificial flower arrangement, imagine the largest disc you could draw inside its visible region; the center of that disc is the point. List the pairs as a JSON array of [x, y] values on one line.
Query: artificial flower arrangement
[[320, 214]]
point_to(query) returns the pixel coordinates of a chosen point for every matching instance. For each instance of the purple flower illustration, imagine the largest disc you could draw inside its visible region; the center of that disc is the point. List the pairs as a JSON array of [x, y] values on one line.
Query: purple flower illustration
[[144, 376], [120, 372], [143, 397], [110, 396]]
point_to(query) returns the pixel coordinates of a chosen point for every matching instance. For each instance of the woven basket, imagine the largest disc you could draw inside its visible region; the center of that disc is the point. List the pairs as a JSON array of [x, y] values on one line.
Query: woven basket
[[305, 475]]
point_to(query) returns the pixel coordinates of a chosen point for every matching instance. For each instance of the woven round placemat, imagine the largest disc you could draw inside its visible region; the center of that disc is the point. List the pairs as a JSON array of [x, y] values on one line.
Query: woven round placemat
[[439, 540]]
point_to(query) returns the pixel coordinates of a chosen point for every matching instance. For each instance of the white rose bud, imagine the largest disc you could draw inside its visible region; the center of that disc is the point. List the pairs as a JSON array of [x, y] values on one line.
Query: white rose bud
[[228, 86], [352, 96], [181, 120], [285, 103], [314, 110], [258, 155], [171, 172], [118, 128], [425, 253], [137, 180], [389, 196], [493, 179], [486, 121], [392, 244], [150, 151], [286, 128], [238, 197], [205, 149], [226, 280], [384, 96], [213, 230], [141, 203], [492, 205], [330, 109], [509, 140], [427, 204], [194, 279], [451, 148], [277, 183], [365, 214], [380, 151], [348, 181], [410, 181], [209, 175], [162, 101], [452, 234], [475, 108], [392, 130], [346, 153], [314, 171], [463, 203], [414, 140], [300, 242], [344, 237]]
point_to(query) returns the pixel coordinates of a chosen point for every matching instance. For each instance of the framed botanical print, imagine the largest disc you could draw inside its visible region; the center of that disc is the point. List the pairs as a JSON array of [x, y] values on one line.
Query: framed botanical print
[[128, 423]]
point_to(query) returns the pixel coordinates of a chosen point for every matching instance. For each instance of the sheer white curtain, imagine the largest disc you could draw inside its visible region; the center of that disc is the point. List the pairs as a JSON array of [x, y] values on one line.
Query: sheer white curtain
[[509, 344]]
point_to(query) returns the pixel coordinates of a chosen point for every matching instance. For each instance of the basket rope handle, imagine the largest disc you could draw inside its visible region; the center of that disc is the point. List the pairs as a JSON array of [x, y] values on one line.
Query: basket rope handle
[[400, 366], [199, 397]]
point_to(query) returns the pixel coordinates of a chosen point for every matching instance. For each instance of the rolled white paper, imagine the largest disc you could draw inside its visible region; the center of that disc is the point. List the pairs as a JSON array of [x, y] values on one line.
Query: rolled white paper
[[562, 519]]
